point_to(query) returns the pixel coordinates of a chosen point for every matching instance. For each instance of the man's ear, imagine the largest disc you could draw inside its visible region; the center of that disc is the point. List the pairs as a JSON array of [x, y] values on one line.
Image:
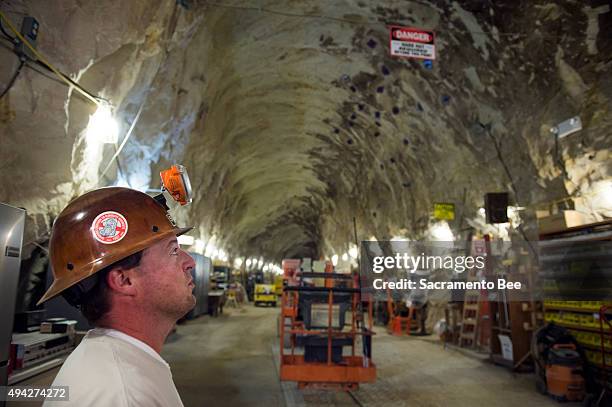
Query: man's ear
[[121, 282]]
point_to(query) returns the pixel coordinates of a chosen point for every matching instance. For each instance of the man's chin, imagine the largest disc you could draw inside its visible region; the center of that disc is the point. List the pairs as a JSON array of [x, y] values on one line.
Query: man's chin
[[192, 302]]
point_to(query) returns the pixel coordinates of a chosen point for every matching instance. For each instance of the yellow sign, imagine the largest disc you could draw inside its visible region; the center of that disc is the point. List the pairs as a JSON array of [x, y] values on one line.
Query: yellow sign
[[444, 211]]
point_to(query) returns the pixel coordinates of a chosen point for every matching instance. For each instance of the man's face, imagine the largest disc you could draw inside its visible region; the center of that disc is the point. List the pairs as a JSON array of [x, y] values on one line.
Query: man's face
[[165, 278]]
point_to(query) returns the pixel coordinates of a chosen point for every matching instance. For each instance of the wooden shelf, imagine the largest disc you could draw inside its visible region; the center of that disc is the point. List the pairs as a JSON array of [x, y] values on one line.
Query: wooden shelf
[[593, 347], [582, 310], [599, 365], [579, 327]]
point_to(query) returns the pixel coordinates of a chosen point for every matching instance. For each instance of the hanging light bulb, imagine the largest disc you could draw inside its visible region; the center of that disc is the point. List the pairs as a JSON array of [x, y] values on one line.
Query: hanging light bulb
[[335, 259], [102, 126], [238, 262]]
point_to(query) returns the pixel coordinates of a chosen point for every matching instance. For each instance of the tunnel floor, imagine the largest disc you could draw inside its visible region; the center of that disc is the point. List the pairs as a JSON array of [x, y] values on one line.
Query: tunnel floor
[[233, 360]]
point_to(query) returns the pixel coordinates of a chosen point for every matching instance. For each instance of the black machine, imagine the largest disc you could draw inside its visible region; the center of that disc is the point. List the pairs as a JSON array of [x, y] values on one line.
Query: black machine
[[12, 221]]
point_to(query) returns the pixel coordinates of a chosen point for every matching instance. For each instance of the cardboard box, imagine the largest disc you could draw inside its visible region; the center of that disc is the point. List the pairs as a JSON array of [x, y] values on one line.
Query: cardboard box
[[560, 221]]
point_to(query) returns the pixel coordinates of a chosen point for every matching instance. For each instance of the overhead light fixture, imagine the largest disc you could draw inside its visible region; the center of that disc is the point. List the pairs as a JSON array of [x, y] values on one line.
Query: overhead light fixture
[[353, 251], [345, 257], [186, 240], [102, 126], [248, 262], [335, 259]]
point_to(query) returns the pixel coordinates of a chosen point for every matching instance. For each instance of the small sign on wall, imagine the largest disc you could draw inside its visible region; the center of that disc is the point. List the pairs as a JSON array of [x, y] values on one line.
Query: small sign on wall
[[412, 43], [444, 211]]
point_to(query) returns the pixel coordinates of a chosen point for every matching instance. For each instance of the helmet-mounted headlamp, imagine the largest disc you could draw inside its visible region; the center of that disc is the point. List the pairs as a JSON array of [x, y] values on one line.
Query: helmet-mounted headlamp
[[176, 181]]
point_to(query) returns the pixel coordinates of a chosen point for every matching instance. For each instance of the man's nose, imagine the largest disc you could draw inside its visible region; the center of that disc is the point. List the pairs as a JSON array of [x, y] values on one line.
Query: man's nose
[[188, 262]]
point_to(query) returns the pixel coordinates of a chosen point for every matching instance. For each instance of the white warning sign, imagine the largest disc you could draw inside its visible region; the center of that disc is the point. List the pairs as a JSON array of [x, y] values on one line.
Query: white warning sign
[[412, 43]]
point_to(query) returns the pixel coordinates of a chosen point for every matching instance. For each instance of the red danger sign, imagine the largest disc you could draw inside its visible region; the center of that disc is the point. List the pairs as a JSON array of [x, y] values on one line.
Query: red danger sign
[[412, 43]]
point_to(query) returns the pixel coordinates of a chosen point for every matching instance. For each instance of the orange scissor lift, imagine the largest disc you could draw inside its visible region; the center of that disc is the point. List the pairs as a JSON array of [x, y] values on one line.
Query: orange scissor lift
[[336, 370]]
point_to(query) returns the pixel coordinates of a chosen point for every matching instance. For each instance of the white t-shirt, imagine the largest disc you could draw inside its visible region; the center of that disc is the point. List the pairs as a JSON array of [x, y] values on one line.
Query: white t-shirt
[[110, 368]]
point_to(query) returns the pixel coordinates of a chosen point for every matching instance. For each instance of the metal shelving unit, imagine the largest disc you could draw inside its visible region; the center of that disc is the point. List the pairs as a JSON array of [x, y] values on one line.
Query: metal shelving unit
[[580, 256]]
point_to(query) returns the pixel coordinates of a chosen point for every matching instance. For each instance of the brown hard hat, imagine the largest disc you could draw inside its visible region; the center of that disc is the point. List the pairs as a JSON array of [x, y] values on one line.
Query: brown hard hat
[[100, 228]]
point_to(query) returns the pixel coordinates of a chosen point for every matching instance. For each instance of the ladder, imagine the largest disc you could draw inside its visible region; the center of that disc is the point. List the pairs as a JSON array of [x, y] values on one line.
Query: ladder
[[469, 325], [471, 306]]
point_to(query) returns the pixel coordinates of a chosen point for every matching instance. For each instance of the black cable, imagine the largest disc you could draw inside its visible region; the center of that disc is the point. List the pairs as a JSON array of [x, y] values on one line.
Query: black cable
[[559, 159], [69, 80], [6, 34], [503, 163], [39, 71], [13, 79]]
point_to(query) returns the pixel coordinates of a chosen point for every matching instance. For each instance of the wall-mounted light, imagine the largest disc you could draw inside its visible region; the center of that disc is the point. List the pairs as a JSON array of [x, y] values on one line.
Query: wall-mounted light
[[441, 231], [567, 127], [102, 126]]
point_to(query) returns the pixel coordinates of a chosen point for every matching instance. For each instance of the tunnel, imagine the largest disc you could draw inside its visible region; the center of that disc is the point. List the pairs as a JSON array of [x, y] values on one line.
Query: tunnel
[[303, 128]]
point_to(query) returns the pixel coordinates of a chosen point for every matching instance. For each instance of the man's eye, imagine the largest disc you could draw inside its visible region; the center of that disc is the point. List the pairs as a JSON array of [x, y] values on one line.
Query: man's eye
[[174, 251]]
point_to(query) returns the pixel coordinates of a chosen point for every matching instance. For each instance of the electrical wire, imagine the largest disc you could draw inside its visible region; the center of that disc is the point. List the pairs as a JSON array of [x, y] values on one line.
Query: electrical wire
[[43, 60], [31, 61], [7, 35], [125, 139], [66, 77], [13, 79], [35, 65]]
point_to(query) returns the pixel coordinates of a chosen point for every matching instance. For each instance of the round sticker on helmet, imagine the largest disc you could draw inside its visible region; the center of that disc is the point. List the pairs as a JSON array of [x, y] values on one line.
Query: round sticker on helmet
[[109, 227]]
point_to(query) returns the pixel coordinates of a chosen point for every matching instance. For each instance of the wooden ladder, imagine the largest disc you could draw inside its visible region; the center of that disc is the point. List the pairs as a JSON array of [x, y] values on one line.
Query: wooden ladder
[[469, 325]]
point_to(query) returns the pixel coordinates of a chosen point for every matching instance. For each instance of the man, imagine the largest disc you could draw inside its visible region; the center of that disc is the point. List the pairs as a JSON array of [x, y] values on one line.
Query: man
[[115, 255]]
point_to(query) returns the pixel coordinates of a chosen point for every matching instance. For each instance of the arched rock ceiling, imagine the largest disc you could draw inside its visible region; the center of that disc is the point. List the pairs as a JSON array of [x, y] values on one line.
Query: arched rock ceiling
[[293, 119]]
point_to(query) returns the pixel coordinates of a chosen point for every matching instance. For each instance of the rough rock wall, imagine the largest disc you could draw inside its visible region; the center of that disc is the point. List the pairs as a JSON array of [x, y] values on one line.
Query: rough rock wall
[[131, 53], [293, 119]]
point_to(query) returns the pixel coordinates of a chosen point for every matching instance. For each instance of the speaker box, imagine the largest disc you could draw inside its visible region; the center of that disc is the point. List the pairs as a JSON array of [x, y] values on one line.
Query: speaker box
[[496, 207]]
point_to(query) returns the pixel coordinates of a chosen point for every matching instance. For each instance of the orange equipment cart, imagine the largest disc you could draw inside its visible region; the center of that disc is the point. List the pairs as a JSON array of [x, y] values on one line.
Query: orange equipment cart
[[316, 358]]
